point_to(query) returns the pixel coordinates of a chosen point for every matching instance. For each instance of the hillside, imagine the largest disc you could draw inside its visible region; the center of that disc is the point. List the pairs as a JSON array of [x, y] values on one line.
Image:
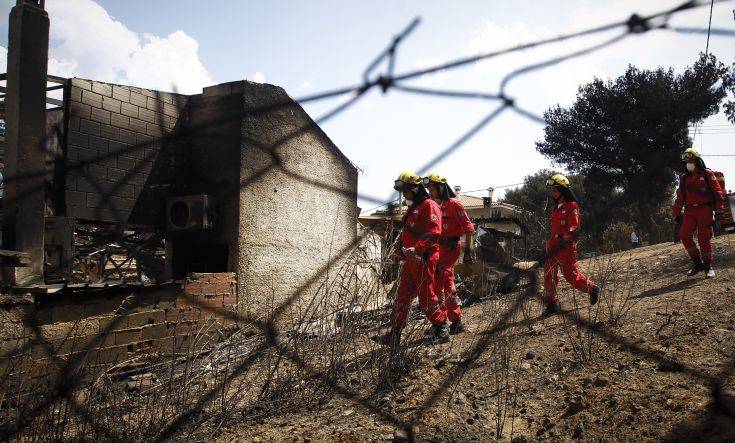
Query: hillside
[[664, 371]]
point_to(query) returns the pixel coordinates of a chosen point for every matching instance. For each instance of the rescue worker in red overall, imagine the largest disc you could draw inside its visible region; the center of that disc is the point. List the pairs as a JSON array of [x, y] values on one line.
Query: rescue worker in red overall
[[561, 247], [455, 224], [699, 193], [419, 251]]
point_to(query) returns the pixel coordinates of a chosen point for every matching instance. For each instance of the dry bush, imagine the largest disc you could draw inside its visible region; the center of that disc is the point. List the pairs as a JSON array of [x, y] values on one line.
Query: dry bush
[[582, 322], [247, 376]]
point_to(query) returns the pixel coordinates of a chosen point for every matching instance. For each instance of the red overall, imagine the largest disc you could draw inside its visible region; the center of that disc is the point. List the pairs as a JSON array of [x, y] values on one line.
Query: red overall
[[421, 228], [455, 223], [564, 225], [698, 199]]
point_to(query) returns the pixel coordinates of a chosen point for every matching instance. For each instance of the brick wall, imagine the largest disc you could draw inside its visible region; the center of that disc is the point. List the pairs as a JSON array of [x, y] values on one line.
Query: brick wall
[[113, 325], [121, 131]]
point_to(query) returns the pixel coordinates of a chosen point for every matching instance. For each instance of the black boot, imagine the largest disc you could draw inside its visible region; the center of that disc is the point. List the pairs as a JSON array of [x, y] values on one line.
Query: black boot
[[441, 333], [698, 266], [391, 338], [708, 271], [457, 327], [552, 307], [594, 294]]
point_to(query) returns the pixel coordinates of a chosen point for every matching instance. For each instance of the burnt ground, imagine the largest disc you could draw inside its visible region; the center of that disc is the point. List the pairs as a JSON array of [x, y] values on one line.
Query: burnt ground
[[662, 371]]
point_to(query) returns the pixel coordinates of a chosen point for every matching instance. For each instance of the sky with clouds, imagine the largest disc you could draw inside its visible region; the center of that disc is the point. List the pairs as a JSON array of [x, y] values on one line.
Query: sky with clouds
[[307, 47]]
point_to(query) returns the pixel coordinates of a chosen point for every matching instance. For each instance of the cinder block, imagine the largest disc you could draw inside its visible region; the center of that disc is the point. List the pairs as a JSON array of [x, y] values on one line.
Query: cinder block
[[146, 141], [111, 104], [137, 179], [120, 121], [118, 148], [165, 344], [148, 116], [121, 93], [77, 139], [170, 110], [108, 160], [87, 155], [147, 317], [138, 99], [102, 88], [111, 132], [82, 212], [81, 83], [98, 171], [154, 103], [113, 354], [127, 336], [75, 197], [127, 192], [125, 163], [127, 136], [137, 125], [100, 115], [92, 99], [89, 127], [76, 94], [68, 320], [129, 110], [111, 323], [79, 109], [154, 332], [98, 144], [154, 130], [95, 200], [74, 123], [115, 175]]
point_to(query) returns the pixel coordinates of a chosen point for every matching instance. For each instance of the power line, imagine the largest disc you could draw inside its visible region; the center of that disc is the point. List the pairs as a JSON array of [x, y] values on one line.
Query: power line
[[706, 48]]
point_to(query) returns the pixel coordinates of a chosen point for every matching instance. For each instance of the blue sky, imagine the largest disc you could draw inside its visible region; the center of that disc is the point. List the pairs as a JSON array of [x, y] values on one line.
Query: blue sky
[[307, 47]]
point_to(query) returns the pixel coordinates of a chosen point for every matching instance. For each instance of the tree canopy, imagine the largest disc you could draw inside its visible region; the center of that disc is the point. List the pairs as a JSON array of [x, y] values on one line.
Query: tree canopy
[[627, 134]]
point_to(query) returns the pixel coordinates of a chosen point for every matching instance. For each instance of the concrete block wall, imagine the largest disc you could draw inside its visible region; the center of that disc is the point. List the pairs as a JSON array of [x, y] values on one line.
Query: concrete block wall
[[298, 211], [101, 329], [119, 131]]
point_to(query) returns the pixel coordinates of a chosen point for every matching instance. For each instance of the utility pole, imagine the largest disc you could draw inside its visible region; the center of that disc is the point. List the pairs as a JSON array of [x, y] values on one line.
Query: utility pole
[[25, 111]]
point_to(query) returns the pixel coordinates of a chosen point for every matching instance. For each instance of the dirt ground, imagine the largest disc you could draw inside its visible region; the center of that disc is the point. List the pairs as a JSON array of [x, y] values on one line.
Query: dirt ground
[[662, 371]]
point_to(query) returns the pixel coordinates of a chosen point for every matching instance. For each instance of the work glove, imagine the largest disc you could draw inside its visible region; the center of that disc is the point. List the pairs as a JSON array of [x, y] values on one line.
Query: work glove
[[563, 243], [409, 252]]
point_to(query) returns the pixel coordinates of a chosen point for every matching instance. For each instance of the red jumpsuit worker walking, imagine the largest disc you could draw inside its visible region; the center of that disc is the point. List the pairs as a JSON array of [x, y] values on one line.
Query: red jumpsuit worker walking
[[699, 193], [561, 247], [420, 253], [455, 223]]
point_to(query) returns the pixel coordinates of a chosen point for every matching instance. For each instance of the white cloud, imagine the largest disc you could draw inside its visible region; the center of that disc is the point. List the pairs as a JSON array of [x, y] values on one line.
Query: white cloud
[[306, 85], [258, 77], [86, 42]]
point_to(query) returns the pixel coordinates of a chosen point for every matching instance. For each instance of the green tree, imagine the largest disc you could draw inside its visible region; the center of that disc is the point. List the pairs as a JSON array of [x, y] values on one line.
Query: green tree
[[627, 134]]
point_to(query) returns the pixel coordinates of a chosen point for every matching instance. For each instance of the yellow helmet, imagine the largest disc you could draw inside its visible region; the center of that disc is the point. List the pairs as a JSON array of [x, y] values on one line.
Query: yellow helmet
[[433, 177], [689, 154], [557, 179], [406, 178]]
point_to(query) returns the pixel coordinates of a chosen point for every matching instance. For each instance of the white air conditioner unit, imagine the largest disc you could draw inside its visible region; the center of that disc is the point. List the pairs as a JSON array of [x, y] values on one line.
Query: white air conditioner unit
[[190, 213]]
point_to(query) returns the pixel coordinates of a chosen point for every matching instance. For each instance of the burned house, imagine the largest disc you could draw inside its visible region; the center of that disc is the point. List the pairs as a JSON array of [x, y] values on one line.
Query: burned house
[[236, 179]]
